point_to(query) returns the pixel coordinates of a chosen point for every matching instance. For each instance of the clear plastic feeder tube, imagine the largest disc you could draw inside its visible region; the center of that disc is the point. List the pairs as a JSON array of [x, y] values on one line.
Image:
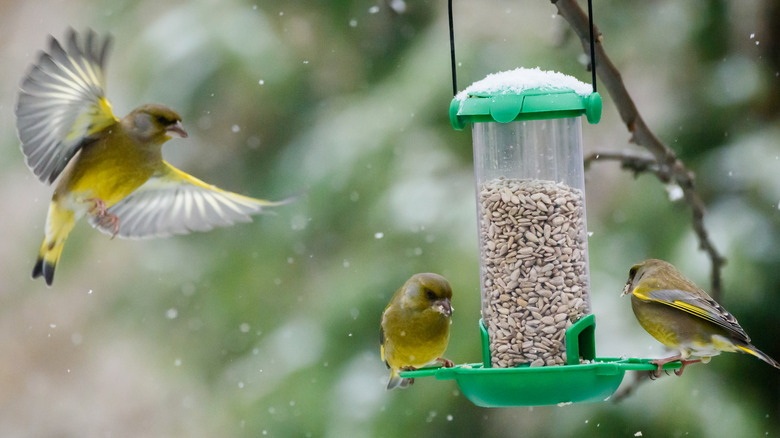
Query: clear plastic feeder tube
[[532, 237]]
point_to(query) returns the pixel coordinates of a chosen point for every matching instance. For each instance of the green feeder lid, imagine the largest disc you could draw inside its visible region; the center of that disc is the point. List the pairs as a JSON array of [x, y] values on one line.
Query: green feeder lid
[[524, 94], [585, 378]]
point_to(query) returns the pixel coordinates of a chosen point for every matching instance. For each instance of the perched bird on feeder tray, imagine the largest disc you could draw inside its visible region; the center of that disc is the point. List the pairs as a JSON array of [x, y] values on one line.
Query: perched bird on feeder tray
[[109, 169], [683, 317], [415, 326]]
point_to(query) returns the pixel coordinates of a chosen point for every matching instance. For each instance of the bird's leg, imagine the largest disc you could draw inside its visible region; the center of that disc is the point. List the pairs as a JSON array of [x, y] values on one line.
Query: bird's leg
[[684, 364], [661, 362], [105, 219]]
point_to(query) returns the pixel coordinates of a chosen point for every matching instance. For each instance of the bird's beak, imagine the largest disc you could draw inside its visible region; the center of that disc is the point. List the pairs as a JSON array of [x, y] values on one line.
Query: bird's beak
[[626, 289], [444, 307], [176, 130]]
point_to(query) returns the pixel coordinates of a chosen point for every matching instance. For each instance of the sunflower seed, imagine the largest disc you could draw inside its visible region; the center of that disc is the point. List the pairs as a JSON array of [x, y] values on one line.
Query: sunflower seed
[[534, 268]]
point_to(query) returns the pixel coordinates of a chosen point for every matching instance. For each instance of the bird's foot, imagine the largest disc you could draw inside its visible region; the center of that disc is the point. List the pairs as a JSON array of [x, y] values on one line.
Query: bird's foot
[[684, 364], [409, 380], [659, 363], [104, 218], [446, 363]]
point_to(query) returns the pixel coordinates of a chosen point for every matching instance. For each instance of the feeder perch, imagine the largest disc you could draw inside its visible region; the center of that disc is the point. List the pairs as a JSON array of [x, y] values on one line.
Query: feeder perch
[[537, 328]]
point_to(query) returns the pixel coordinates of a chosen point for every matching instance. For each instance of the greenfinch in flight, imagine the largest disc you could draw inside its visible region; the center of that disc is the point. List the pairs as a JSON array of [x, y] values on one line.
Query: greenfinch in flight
[[683, 317], [110, 170], [415, 326]]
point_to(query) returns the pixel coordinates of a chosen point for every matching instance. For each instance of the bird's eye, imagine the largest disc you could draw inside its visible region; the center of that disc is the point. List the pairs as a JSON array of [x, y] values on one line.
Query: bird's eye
[[163, 120], [632, 272], [430, 294]]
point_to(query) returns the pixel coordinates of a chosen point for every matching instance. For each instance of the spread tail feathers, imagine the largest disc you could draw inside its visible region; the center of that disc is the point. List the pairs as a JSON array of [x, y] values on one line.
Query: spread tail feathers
[[750, 349]]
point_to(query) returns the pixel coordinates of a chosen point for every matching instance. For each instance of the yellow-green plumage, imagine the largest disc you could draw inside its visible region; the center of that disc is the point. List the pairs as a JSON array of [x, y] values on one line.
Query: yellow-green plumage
[[110, 170], [682, 316], [415, 327], [115, 165]]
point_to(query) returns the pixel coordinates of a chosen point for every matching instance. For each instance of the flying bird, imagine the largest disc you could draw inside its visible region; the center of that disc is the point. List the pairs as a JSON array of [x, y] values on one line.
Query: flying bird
[[108, 169]]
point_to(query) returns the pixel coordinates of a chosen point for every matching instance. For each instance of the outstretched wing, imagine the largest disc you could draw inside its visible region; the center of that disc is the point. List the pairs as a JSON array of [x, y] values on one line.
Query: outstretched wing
[[702, 307], [62, 103], [174, 202]]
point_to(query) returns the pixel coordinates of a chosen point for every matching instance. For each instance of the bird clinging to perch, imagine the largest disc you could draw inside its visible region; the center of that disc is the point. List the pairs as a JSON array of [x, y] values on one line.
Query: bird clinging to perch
[[415, 328], [683, 317]]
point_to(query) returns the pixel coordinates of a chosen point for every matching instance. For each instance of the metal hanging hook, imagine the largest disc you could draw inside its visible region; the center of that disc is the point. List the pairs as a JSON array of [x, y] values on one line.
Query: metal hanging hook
[[452, 47]]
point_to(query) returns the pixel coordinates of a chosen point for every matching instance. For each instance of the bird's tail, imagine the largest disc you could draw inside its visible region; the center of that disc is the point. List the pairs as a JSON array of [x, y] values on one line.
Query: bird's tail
[[58, 225], [750, 349], [47, 261], [396, 381]]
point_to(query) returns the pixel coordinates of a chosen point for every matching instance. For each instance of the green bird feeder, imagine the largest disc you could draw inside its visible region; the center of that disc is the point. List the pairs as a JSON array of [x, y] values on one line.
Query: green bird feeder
[[537, 327]]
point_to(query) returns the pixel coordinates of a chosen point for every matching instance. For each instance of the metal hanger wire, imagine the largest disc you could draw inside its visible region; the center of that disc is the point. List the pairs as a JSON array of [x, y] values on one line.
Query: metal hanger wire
[[452, 47]]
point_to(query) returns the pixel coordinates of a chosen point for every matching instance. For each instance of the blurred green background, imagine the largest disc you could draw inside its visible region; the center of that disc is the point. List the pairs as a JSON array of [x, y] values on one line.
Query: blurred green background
[[271, 328]]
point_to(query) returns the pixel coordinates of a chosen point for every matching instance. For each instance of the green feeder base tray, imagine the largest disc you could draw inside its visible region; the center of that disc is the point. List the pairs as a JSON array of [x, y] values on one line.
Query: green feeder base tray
[[595, 379], [539, 386]]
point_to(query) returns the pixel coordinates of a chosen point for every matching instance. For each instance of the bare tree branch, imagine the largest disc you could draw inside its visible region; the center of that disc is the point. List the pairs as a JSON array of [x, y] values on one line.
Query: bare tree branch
[[667, 167], [663, 163], [629, 161], [625, 391]]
